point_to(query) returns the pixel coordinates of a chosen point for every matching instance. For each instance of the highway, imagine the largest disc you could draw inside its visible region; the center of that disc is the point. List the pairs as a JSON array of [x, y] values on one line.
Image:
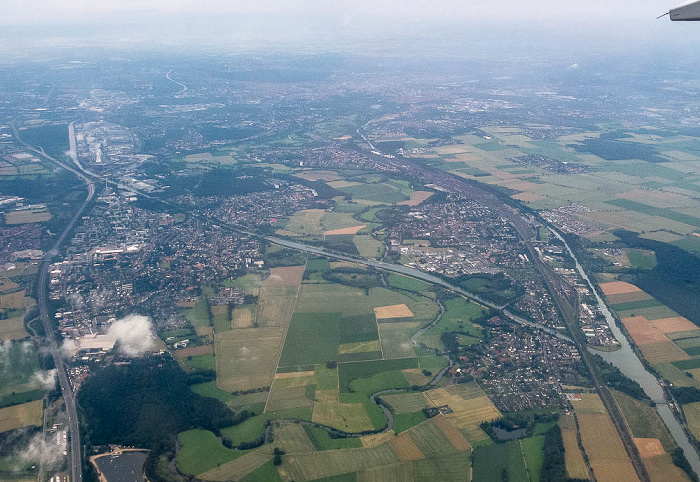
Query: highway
[[42, 285]]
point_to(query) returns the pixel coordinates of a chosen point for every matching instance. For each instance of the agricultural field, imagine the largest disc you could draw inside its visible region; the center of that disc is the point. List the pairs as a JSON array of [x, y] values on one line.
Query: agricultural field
[[27, 216], [654, 328], [426, 450], [292, 392], [644, 422], [470, 406], [23, 415], [17, 368], [201, 451], [278, 296], [575, 465], [499, 462], [246, 358], [396, 339], [12, 329], [601, 441], [692, 414]]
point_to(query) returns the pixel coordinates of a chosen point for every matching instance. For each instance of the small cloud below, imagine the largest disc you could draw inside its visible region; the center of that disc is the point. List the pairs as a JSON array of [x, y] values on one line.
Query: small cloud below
[[134, 334]]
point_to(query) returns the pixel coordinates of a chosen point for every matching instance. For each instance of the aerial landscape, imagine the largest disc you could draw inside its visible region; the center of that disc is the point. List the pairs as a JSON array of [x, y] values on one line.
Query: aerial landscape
[[348, 251]]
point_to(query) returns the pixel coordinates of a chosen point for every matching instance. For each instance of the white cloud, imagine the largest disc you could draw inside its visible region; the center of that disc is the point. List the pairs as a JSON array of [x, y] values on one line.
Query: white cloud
[[47, 379], [134, 334]]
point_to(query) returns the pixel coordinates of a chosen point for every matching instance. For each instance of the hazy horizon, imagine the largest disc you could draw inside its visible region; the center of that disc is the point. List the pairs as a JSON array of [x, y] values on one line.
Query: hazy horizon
[[446, 28]]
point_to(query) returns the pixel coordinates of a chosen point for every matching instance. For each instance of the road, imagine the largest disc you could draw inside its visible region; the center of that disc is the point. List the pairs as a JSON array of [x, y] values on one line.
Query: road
[[42, 285]]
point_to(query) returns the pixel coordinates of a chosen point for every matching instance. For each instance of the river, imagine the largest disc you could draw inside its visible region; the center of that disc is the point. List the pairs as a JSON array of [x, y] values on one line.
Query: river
[[631, 366]]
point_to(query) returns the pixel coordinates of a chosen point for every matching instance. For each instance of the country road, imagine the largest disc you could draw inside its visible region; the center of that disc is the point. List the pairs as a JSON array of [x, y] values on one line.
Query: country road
[[42, 285]]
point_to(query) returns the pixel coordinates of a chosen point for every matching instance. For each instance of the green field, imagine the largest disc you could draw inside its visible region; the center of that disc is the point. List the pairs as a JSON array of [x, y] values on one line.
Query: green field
[[396, 339], [250, 282], [198, 315], [687, 364], [323, 441], [265, 473], [404, 421], [641, 259], [636, 305], [654, 211], [201, 451], [500, 462], [643, 420], [359, 380], [201, 362], [533, 450], [209, 389], [325, 332], [254, 427], [349, 372], [17, 367], [457, 318]]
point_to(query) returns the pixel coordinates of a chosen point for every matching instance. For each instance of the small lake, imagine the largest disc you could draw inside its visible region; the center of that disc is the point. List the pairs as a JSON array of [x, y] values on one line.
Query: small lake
[[125, 467]]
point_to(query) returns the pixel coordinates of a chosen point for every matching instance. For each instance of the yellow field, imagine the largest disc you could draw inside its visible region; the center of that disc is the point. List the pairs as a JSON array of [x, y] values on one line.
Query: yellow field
[[393, 311], [183, 353], [18, 416], [377, 439], [617, 287], [286, 276], [466, 414], [452, 434], [247, 358], [663, 352], [12, 329], [575, 465], [643, 332], [601, 441], [528, 197], [673, 325], [417, 197], [350, 230], [405, 448], [27, 216], [649, 447]]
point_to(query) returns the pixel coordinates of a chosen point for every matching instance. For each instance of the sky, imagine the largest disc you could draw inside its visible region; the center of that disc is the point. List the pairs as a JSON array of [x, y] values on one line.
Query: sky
[[332, 25], [22, 12]]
